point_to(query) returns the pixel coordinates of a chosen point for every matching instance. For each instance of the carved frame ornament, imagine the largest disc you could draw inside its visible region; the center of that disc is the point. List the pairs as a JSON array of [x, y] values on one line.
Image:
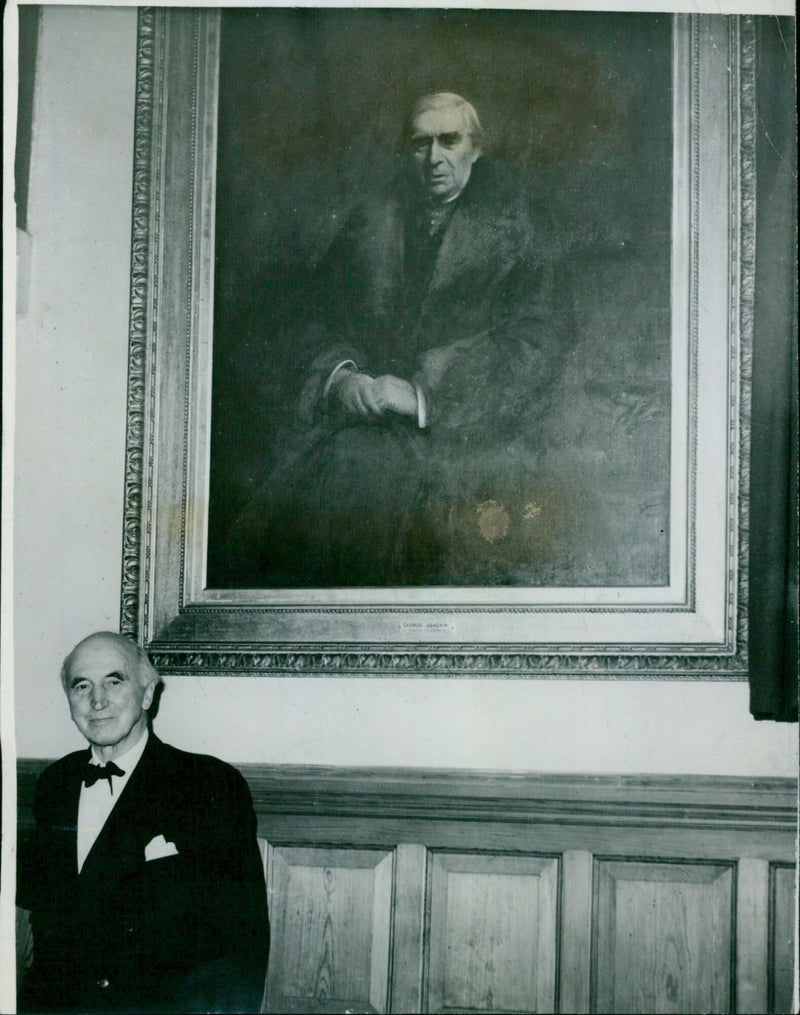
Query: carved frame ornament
[[694, 628]]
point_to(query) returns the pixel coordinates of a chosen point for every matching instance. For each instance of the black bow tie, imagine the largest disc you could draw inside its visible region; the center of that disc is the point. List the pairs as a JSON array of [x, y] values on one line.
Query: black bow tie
[[95, 772]]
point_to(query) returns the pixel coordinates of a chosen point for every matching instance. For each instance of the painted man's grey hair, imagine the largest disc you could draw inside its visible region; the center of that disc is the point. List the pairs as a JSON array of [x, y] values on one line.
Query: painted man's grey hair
[[138, 661], [449, 100]]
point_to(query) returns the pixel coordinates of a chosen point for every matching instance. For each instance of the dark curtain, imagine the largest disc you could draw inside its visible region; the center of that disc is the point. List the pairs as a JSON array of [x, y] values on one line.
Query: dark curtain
[[773, 607], [29, 18]]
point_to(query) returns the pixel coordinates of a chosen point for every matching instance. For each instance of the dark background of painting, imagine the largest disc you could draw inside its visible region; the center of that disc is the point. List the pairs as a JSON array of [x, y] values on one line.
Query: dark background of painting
[[311, 111]]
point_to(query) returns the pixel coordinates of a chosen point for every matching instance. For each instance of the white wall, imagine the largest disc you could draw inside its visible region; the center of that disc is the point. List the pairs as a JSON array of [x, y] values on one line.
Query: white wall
[[71, 377]]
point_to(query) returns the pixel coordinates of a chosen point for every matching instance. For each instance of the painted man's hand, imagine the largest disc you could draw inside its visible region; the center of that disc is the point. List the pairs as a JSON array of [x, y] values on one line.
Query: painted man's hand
[[354, 394], [363, 395], [395, 395]]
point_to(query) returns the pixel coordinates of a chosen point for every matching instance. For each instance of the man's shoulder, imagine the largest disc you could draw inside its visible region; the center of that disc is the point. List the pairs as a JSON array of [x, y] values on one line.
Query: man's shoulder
[[197, 787], [521, 195], [64, 768], [54, 781], [495, 182], [192, 767]]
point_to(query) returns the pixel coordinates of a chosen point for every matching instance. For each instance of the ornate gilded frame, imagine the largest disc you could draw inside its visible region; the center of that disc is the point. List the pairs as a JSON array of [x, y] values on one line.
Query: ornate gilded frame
[[695, 627]]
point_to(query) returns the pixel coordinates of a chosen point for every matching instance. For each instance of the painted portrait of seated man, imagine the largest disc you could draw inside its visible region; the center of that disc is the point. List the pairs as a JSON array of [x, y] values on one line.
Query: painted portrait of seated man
[[441, 302], [432, 337]]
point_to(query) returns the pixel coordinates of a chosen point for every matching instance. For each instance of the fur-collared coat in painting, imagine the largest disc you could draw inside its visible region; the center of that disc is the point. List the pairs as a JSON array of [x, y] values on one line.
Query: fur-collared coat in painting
[[467, 309]]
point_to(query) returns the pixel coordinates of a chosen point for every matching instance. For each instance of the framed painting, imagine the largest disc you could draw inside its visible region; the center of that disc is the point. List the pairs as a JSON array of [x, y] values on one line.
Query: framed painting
[[538, 227]]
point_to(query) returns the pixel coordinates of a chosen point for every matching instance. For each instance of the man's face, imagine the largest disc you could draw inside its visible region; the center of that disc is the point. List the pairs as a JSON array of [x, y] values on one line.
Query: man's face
[[444, 152], [107, 702]]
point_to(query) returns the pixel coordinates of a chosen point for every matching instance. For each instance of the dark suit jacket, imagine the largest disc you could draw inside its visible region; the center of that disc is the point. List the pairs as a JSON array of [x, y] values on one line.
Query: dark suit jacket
[[187, 932]]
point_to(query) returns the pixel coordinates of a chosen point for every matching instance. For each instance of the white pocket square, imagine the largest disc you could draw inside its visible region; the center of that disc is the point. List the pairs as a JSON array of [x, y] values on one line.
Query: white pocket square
[[158, 847]]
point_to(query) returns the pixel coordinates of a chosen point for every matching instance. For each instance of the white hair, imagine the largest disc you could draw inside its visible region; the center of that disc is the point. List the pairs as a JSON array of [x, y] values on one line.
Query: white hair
[[449, 100], [139, 663]]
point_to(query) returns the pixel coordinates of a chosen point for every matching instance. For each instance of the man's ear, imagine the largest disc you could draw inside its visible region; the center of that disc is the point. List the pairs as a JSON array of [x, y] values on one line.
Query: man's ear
[[149, 691]]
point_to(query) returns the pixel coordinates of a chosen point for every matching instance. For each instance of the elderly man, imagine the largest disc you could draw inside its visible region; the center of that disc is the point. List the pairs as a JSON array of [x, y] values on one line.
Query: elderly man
[[144, 878], [435, 341]]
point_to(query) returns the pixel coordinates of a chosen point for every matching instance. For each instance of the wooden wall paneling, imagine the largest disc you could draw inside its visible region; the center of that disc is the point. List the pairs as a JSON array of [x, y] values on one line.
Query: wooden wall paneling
[[662, 937], [712, 857], [408, 927], [492, 933], [331, 914], [752, 934], [576, 931], [782, 935]]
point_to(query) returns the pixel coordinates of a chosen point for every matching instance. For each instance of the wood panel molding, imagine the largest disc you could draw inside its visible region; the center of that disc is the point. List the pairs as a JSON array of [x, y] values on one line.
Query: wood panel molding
[[674, 801], [334, 908], [662, 937], [491, 932], [783, 915], [436, 795]]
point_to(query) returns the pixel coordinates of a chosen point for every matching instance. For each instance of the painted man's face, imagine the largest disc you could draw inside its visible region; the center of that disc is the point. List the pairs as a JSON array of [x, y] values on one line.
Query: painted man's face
[[444, 153]]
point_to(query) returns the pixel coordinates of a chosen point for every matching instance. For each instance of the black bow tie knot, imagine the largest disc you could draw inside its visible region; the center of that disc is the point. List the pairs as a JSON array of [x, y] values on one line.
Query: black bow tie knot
[[95, 772]]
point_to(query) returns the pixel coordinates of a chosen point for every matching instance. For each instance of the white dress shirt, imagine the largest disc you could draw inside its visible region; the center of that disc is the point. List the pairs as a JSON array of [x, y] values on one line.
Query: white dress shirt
[[97, 801]]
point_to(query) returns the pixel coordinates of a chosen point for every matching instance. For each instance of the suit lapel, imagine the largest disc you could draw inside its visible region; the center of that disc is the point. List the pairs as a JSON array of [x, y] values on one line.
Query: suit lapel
[[62, 821], [120, 845]]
